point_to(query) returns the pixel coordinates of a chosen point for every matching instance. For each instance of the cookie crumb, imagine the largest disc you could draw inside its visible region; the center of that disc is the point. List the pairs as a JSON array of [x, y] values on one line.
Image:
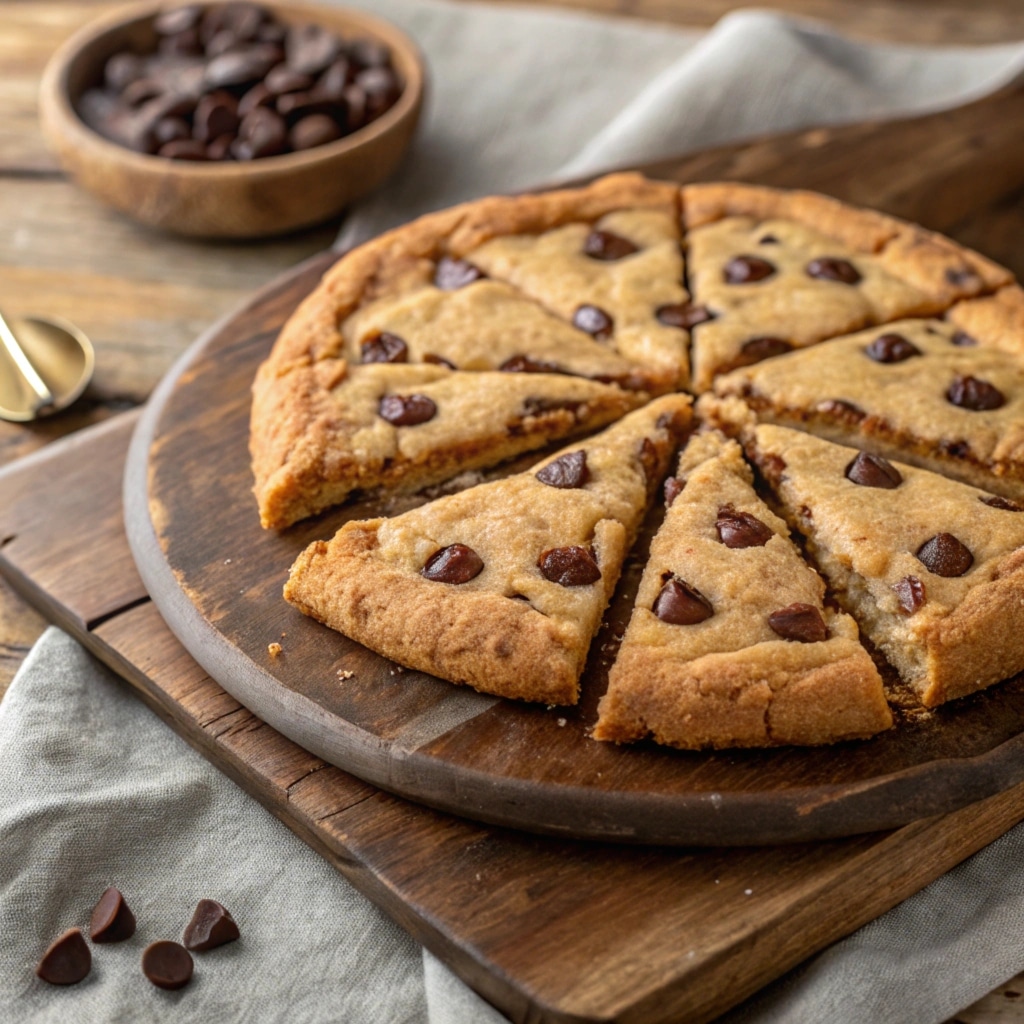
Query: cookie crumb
[[562, 723], [274, 649], [344, 673]]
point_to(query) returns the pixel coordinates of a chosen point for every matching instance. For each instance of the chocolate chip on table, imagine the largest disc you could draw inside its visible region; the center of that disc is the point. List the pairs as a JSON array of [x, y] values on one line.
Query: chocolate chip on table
[[527, 364], [312, 131], [683, 314], [737, 529], [891, 348], [451, 274], [679, 604], [945, 555], [606, 245], [832, 268], [673, 488], [975, 394], [384, 348], [747, 269], [910, 593], [594, 321], [406, 410], [456, 563], [572, 566], [67, 960], [962, 340], [167, 964], [112, 919], [211, 926], [800, 622], [566, 472], [868, 470], [756, 349], [997, 501]]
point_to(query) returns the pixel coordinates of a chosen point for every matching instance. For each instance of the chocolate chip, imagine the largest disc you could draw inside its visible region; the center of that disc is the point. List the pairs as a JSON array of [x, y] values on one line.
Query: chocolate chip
[[526, 364], [910, 593], [683, 314], [840, 409], [975, 394], [296, 105], [381, 88], [831, 268], [368, 53], [944, 555], [384, 348], [310, 49], [606, 245], [960, 275], [962, 340], [261, 133], [67, 960], [891, 348], [566, 472], [956, 449], [178, 19], [183, 149], [436, 360], [800, 622], [456, 563], [738, 529], [357, 112], [240, 67], [869, 470], [451, 274], [747, 269], [282, 79], [216, 115], [572, 566], [258, 96], [121, 70], [167, 964], [996, 501], [406, 410], [594, 321], [756, 349], [220, 148], [171, 129], [650, 459], [680, 604], [673, 488], [185, 44], [211, 926], [331, 84], [112, 919], [768, 240], [141, 91], [314, 130]]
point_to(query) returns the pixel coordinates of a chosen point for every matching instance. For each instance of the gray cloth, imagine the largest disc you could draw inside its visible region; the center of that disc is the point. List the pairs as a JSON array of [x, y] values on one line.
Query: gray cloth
[[95, 790]]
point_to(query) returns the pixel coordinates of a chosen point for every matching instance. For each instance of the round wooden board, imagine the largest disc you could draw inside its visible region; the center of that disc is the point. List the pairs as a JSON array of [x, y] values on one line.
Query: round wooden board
[[216, 577]]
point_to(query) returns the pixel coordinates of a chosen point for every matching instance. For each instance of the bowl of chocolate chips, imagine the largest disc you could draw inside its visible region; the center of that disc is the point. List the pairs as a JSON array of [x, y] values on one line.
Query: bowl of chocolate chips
[[232, 120]]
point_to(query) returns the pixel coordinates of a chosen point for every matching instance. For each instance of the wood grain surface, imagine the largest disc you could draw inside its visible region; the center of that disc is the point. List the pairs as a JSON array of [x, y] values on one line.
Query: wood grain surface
[[144, 297]]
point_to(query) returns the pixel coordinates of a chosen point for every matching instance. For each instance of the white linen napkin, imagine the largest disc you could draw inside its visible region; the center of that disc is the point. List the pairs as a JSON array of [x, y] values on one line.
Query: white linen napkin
[[95, 790]]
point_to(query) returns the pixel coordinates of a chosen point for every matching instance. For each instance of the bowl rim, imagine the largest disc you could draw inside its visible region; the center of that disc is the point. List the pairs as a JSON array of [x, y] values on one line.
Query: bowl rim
[[55, 96]]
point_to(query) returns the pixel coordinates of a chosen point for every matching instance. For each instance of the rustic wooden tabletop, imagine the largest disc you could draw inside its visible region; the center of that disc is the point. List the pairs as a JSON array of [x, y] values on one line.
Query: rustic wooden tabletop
[[143, 297]]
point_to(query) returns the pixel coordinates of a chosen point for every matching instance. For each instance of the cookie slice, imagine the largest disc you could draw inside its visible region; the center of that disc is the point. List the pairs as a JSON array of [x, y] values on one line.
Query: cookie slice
[[501, 586], [730, 643], [772, 271], [918, 390], [406, 426], [932, 569]]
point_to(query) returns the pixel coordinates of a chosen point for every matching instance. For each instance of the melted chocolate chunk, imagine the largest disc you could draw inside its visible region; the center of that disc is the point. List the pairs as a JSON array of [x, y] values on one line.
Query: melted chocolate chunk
[[436, 360], [606, 245], [680, 604], [756, 349], [747, 269], [963, 340], [800, 622], [112, 919], [944, 555], [406, 410], [996, 501], [738, 529], [67, 961], [831, 268], [167, 964], [767, 240], [526, 364], [910, 593], [457, 563], [594, 321], [840, 409], [566, 472], [572, 566], [452, 274], [975, 394], [385, 348], [869, 470], [891, 348], [683, 314], [211, 926], [673, 488]]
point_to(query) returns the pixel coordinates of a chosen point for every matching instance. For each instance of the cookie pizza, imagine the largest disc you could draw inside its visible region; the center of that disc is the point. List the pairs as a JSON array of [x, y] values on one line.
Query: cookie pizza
[[582, 318]]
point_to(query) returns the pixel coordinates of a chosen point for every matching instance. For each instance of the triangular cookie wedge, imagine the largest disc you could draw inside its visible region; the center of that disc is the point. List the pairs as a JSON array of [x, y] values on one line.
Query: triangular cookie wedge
[[501, 586], [772, 271], [406, 426], [730, 643], [918, 390], [932, 569]]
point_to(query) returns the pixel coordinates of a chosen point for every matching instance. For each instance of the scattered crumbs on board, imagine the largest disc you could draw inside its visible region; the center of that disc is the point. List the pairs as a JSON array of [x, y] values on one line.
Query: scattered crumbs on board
[[274, 649], [345, 673]]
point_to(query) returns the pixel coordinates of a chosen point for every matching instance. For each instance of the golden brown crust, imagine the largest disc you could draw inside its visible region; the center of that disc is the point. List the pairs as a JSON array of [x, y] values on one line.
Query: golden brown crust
[[996, 320]]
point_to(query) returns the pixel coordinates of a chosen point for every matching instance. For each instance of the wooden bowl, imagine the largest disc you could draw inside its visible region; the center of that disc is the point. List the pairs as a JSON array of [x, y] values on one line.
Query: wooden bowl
[[225, 199]]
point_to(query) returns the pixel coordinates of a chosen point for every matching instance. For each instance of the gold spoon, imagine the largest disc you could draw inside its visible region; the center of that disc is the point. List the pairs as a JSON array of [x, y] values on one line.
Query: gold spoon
[[45, 364]]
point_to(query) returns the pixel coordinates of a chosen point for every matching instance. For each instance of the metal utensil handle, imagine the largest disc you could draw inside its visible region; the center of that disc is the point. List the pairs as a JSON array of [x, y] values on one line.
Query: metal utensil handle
[[27, 370]]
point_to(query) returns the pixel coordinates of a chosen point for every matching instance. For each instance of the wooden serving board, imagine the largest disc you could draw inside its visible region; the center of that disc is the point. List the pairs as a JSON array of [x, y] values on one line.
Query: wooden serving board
[[216, 577]]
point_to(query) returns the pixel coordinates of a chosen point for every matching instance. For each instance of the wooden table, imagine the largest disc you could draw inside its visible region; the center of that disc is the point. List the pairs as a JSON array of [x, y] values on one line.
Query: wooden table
[[144, 297]]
